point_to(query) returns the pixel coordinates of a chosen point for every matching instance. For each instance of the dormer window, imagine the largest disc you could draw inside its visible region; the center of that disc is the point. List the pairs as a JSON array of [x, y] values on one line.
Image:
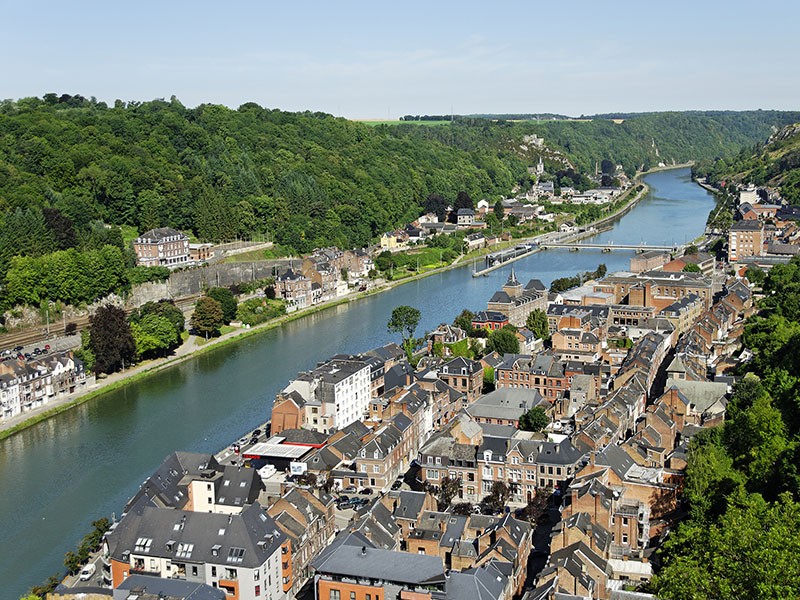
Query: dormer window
[[487, 455]]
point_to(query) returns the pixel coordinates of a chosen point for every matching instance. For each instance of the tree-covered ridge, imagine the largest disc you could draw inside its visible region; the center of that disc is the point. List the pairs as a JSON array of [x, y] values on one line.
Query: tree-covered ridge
[[636, 141], [775, 164], [741, 539], [308, 179]]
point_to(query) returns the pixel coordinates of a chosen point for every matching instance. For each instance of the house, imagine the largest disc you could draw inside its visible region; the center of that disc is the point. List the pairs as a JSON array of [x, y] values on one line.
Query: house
[[465, 217], [296, 289], [147, 587], [504, 406], [567, 226], [353, 567], [489, 320], [162, 247], [307, 521], [745, 238], [463, 375], [200, 253], [474, 241], [246, 555], [331, 396], [704, 261], [647, 261], [543, 372]]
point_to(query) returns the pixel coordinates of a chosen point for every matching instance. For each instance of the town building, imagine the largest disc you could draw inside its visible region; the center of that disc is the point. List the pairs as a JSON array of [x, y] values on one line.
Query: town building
[[162, 247], [745, 239], [243, 554], [516, 301]]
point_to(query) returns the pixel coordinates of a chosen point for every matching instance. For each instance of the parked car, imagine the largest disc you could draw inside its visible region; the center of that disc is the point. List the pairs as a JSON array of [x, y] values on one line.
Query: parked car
[[350, 489], [366, 491], [256, 432], [88, 571], [397, 484], [47, 346]]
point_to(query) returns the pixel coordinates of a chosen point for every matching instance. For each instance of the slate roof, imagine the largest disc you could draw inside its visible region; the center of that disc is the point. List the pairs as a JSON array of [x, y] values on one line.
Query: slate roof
[[160, 233], [486, 582], [352, 555], [146, 587], [213, 536], [504, 403]]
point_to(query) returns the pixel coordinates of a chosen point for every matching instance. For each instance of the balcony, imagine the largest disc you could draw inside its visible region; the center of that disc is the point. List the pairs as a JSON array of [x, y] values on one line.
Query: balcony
[[144, 571]]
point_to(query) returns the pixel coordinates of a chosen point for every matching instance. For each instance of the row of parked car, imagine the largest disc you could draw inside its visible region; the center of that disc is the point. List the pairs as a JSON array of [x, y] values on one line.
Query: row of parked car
[[18, 354], [344, 502]]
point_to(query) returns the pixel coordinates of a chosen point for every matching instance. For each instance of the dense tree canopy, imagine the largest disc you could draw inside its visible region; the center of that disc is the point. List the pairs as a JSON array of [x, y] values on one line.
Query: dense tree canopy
[[742, 479], [503, 341]]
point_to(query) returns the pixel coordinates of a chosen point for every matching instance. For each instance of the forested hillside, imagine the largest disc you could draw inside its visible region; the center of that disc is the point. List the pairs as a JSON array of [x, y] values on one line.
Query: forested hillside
[[775, 163], [77, 175], [636, 141], [309, 179]]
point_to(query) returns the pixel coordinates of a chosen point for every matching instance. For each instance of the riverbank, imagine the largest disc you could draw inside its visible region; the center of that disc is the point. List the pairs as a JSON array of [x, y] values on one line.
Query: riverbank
[[192, 348]]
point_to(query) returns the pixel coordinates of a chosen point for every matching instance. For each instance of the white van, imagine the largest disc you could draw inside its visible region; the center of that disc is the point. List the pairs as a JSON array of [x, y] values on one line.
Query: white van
[[88, 571]]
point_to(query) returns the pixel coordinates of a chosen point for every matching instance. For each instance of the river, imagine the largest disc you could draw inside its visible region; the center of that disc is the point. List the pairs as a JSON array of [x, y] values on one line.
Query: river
[[59, 475]]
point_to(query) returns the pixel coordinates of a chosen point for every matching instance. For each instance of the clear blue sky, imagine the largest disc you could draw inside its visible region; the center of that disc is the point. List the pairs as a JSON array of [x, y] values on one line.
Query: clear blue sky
[[385, 59]]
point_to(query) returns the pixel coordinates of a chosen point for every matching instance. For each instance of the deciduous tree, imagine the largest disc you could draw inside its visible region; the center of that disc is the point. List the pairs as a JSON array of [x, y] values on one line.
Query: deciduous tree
[[537, 323], [503, 341], [226, 300], [404, 321], [534, 419], [110, 339], [207, 317]]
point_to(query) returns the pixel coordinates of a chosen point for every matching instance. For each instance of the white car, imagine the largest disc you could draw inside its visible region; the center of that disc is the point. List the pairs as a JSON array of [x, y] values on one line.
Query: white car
[[88, 571]]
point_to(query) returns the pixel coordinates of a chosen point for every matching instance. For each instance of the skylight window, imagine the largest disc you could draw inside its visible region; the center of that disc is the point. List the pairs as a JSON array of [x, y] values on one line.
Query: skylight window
[[185, 550], [143, 544], [235, 555]]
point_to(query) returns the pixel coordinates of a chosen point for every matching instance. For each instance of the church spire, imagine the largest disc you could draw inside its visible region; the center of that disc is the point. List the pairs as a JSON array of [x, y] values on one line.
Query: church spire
[[512, 278]]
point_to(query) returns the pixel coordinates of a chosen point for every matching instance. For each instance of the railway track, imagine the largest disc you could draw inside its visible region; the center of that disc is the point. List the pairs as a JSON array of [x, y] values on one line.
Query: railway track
[[39, 334]]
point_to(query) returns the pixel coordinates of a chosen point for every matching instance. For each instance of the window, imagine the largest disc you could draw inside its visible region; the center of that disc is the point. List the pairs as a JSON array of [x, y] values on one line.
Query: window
[[143, 545], [335, 595], [235, 555], [258, 590], [624, 538], [213, 571], [433, 474], [352, 596], [194, 570], [376, 468], [185, 550], [624, 520], [438, 460]]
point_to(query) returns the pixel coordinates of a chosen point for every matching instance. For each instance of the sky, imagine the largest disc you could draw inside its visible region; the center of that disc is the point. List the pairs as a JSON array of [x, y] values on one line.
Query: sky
[[382, 60]]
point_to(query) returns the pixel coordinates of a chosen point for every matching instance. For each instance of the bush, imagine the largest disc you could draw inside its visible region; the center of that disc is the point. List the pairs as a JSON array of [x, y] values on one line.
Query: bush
[[259, 310]]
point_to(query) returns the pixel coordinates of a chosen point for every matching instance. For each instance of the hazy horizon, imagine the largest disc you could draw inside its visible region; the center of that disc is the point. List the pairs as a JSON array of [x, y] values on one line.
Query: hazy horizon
[[366, 61]]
